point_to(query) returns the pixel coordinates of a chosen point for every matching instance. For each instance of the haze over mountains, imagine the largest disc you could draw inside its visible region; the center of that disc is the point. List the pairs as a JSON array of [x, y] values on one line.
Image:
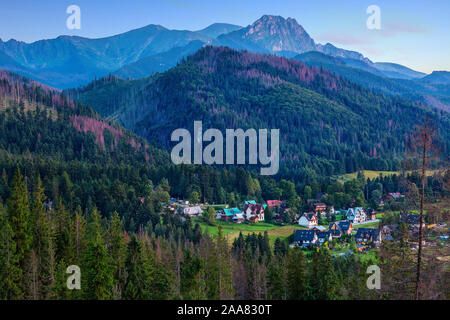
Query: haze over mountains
[[70, 61]]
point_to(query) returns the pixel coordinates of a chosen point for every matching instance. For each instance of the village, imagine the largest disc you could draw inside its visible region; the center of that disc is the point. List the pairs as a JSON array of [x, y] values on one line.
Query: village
[[346, 231]]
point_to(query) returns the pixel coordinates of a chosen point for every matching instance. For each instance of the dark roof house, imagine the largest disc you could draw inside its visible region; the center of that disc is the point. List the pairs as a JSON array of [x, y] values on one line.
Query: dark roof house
[[305, 237], [368, 235], [323, 236]]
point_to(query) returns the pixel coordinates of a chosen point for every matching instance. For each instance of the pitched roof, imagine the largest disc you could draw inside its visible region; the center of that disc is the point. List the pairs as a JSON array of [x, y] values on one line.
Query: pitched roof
[[341, 227], [319, 204], [254, 207], [344, 225], [231, 211], [411, 219], [309, 216], [304, 235], [192, 210], [238, 216], [368, 233], [273, 203], [323, 234], [395, 195], [335, 232]]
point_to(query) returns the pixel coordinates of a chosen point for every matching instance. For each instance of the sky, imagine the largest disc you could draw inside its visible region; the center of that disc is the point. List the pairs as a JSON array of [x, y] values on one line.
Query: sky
[[414, 33]]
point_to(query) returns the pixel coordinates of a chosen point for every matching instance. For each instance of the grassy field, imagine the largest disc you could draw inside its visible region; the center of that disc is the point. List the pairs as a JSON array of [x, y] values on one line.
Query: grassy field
[[371, 174], [279, 232], [367, 225], [230, 227], [231, 230], [369, 255]]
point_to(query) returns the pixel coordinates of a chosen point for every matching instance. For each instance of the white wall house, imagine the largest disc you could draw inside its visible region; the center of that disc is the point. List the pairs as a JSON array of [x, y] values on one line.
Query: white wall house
[[193, 211], [356, 215], [308, 220]]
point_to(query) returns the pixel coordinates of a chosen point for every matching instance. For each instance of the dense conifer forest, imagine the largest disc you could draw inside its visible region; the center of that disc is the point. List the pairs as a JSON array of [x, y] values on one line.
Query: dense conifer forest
[[76, 189]]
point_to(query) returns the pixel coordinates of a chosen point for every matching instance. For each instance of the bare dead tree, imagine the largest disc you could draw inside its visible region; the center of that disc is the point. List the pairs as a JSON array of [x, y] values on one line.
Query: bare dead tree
[[421, 146]]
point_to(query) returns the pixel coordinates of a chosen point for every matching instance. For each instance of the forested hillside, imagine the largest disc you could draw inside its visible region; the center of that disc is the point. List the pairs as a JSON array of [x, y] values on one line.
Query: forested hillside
[[72, 193], [328, 125], [91, 163]]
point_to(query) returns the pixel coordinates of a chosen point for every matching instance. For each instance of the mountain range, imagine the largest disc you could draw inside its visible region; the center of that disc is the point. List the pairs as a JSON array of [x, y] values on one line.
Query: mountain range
[[328, 124], [337, 110], [68, 61]]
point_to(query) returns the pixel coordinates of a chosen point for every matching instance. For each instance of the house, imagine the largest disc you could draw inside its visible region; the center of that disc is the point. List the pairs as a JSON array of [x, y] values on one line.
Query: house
[[193, 211], [273, 203], [331, 210], [278, 216], [366, 236], [371, 214], [308, 220], [395, 196], [335, 230], [340, 228], [346, 227], [249, 202], [413, 220], [323, 236], [238, 218], [253, 219], [304, 238], [356, 215], [254, 210], [387, 232], [229, 214], [319, 208]]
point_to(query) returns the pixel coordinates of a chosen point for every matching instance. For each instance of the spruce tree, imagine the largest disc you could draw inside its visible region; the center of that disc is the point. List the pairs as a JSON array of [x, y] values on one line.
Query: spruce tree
[[42, 242], [138, 276], [10, 271], [116, 248], [296, 275], [97, 273], [20, 222]]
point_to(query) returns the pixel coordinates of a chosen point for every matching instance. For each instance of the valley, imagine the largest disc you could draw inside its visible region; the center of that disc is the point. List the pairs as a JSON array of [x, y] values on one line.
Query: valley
[[97, 170]]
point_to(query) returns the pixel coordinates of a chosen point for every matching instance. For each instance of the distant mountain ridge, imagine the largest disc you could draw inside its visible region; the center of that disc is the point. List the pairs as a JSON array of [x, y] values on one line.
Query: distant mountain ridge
[[70, 61], [431, 90], [437, 77]]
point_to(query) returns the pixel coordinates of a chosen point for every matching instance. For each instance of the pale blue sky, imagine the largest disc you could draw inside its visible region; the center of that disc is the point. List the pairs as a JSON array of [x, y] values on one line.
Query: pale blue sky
[[413, 33]]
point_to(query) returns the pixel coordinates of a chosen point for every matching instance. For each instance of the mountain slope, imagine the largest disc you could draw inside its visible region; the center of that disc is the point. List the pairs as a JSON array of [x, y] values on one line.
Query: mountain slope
[[393, 70], [435, 95], [159, 62], [437, 77], [71, 61], [216, 29], [40, 120], [327, 124]]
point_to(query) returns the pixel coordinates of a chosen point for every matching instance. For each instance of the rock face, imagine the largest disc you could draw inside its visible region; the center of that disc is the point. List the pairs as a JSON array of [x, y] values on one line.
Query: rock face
[[271, 34], [274, 34]]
